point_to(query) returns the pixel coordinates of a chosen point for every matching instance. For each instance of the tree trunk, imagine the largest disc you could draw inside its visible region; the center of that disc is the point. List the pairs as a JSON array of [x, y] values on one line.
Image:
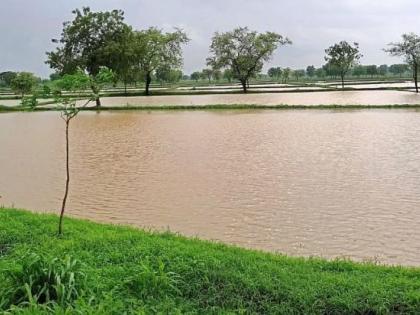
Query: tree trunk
[[125, 87], [98, 102], [148, 81], [342, 81], [244, 86], [415, 77], [63, 206]]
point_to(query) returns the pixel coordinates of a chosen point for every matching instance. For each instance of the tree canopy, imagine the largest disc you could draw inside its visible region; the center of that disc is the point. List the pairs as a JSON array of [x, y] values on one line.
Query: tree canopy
[[409, 48], [343, 56], [243, 51], [155, 49]]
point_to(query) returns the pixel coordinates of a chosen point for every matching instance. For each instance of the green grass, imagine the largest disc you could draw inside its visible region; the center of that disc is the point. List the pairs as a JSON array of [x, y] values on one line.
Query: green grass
[[104, 269]]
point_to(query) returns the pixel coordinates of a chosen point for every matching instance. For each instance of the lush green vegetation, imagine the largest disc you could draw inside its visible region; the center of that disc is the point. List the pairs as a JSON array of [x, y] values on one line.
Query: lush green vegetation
[[104, 269]]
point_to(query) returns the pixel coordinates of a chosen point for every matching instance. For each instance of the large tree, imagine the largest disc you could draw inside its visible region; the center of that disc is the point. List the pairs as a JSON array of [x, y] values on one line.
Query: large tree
[[343, 56], [409, 48], [244, 52], [85, 43], [155, 49]]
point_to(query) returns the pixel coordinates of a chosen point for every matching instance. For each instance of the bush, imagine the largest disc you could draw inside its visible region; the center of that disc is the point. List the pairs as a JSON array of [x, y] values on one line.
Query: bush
[[44, 281]]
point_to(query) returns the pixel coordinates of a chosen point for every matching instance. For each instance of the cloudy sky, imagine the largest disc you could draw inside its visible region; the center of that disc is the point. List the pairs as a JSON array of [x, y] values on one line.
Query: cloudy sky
[[27, 26]]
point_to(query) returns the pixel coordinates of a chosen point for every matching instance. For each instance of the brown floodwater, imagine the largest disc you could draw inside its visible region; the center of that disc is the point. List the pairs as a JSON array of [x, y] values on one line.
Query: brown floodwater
[[291, 98], [301, 182]]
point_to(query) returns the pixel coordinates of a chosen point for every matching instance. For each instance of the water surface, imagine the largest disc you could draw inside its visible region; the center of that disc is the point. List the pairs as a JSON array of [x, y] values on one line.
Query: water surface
[[308, 182]]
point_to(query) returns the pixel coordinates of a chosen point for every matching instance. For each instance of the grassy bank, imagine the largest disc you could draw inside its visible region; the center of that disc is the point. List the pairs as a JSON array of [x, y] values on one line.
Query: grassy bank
[[104, 269]]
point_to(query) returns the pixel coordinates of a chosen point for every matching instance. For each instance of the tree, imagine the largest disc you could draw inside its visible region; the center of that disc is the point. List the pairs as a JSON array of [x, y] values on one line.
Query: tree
[[320, 73], [310, 71], [228, 75], [154, 49], [285, 74], [207, 74], [383, 70], [359, 70], [195, 76], [85, 43], [217, 74], [372, 70], [398, 69], [274, 72], [23, 83], [331, 70], [343, 56], [7, 77], [166, 74], [299, 74], [122, 57], [244, 52], [67, 106], [409, 48]]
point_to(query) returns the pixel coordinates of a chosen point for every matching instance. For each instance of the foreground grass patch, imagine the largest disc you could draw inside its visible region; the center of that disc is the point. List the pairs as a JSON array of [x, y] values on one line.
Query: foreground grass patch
[[104, 269]]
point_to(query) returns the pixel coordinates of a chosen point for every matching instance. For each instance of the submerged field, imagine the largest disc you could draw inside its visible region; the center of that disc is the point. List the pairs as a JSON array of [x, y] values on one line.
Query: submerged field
[[123, 270]]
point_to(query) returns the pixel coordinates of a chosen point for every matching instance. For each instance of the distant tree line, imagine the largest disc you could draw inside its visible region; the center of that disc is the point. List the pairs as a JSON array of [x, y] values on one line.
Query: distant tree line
[[102, 44]]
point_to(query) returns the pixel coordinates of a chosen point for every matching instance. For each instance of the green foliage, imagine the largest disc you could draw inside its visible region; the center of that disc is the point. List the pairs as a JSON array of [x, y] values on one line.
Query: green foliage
[[310, 71], [195, 76], [342, 57], [131, 271], [7, 77], [243, 51], [275, 72], [29, 101], [23, 83], [155, 49], [41, 280], [85, 41]]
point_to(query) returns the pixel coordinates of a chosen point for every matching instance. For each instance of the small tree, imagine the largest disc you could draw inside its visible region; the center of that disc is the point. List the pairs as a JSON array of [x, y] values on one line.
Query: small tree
[[299, 74], [195, 76], [310, 71], [23, 83], [275, 72], [383, 70], [343, 56], [69, 110], [286, 74], [372, 70], [207, 74], [409, 48], [244, 52]]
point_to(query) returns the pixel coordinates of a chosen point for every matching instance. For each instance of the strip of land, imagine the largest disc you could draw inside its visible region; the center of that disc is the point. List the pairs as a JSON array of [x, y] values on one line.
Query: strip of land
[[126, 270]]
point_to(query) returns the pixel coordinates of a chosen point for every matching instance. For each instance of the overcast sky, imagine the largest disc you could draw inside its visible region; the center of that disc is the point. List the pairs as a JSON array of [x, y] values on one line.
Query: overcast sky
[[27, 26]]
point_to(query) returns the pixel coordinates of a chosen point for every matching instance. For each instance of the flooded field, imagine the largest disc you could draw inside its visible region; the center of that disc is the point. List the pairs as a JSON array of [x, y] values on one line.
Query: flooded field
[[306, 98], [319, 182]]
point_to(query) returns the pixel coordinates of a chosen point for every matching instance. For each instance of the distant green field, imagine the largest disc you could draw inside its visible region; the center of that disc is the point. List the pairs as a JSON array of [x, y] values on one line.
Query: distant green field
[[105, 269]]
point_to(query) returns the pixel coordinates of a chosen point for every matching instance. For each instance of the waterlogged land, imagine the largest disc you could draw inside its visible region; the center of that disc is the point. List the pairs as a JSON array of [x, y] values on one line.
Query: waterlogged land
[[321, 182]]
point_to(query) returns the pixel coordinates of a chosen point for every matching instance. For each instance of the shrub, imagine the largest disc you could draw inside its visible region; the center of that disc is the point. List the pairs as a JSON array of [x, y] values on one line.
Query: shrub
[[44, 281]]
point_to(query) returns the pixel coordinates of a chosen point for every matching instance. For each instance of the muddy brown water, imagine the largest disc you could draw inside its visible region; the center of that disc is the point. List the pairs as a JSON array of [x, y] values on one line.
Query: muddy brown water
[[300, 182]]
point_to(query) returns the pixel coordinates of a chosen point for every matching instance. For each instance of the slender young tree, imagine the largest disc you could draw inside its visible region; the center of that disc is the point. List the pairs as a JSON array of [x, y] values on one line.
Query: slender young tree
[[69, 110], [244, 52], [343, 56], [409, 48]]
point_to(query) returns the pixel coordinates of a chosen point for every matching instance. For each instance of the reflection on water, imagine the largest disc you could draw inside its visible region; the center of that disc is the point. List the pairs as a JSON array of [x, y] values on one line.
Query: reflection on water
[[327, 183]]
